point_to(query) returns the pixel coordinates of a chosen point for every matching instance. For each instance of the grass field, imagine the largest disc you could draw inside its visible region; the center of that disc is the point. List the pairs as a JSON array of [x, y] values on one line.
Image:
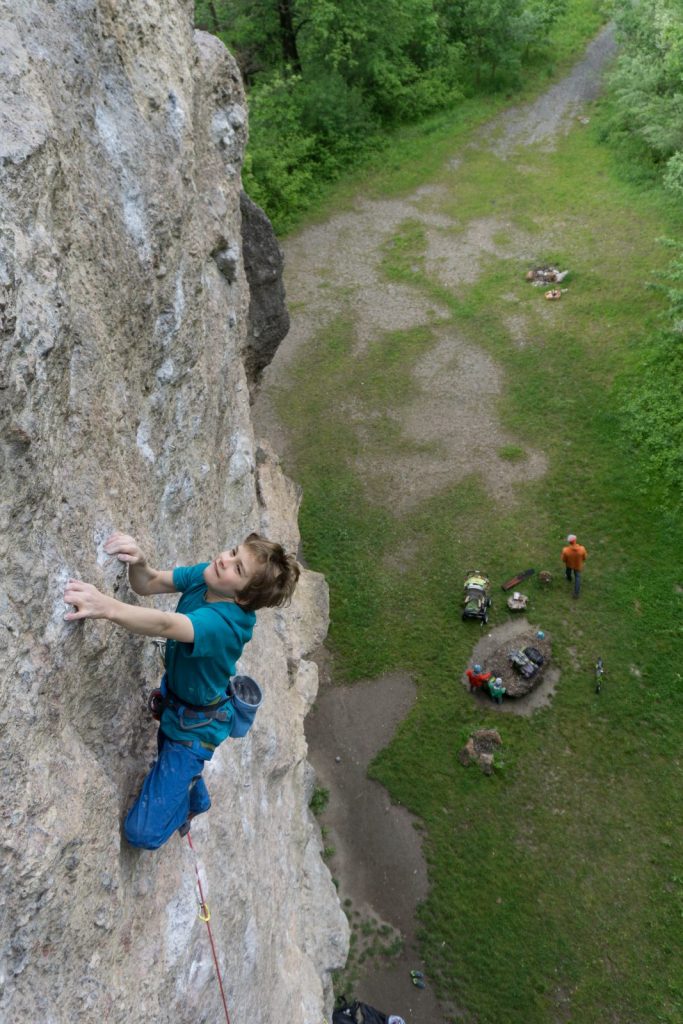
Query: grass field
[[556, 884]]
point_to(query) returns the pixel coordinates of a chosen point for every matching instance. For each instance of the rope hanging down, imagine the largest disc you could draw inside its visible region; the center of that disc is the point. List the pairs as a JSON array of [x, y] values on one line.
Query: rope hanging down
[[205, 915]]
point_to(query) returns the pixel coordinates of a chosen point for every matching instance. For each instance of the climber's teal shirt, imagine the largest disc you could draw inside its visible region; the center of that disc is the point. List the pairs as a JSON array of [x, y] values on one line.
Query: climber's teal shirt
[[199, 672]]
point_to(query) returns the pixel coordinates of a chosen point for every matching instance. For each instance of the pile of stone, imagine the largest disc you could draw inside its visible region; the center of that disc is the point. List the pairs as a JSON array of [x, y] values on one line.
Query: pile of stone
[[499, 663], [480, 749]]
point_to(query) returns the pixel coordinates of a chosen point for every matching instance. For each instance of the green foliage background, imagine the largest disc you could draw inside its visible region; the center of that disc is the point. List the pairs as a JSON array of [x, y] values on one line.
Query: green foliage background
[[328, 78], [643, 122]]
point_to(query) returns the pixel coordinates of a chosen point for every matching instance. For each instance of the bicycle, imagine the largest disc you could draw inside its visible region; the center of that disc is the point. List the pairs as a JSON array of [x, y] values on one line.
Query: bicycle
[[599, 673]]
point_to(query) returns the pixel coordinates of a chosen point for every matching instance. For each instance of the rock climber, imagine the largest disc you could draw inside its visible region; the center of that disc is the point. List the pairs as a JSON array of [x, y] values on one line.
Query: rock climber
[[213, 621]]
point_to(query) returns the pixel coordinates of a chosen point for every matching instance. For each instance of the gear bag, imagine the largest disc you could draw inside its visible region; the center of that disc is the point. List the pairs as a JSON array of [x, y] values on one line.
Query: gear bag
[[358, 1013], [524, 665], [534, 655]]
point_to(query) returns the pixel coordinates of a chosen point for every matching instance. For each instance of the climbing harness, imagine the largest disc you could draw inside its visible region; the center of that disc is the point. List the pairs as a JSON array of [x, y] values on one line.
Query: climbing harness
[[205, 916], [243, 693], [164, 697]]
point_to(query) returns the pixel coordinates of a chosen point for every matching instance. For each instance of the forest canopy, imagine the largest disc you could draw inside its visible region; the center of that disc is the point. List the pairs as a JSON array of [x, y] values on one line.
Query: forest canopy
[[326, 77], [646, 122], [647, 85]]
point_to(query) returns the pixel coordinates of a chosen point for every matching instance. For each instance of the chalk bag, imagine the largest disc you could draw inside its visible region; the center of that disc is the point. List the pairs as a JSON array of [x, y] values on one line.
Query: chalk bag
[[247, 698]]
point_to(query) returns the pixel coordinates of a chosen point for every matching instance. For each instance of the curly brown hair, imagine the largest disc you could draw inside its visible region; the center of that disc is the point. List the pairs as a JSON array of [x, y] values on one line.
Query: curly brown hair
[[274, 585]]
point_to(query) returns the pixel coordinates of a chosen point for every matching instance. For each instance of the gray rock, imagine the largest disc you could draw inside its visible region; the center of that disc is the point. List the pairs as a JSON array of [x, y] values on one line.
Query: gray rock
[[264, 264], [124, 403], [480, 749]]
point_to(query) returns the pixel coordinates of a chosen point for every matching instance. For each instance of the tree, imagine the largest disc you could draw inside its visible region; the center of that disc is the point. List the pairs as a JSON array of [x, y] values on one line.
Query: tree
[[536, 20], [490, 30], [288, 34], [648, 83], [263, 34]]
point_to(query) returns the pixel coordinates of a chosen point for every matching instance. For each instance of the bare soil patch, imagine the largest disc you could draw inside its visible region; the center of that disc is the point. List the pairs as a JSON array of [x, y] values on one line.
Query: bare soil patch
[[378, 851], [453, 418]]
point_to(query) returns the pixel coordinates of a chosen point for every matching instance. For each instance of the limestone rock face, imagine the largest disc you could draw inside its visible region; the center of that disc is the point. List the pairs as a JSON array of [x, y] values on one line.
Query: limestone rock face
[[124, 404]]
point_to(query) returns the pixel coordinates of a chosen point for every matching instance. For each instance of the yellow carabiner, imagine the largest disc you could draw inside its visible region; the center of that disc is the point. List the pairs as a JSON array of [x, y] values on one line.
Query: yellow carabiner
[[206, 916]]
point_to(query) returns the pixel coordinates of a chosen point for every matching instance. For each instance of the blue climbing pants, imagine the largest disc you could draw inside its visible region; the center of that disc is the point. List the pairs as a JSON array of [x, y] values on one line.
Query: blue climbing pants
[[172, 791]]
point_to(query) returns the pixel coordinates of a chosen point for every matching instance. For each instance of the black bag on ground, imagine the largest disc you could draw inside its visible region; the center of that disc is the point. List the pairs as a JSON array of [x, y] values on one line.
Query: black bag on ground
[[525, 666], [533, 654], [358, 1013]]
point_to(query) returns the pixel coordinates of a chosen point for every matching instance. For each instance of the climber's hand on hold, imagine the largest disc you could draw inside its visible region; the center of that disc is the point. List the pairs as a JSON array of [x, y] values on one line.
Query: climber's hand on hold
[[126, 549], [87, 600], [143, 579]]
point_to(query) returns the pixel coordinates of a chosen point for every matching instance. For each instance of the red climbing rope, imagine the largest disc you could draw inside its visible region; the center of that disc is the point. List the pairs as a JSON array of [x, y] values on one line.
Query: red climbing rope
[[205, 915]]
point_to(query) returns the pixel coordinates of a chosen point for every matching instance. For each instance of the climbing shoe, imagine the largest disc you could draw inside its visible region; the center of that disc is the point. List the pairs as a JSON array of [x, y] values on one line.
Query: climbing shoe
[[155, 704], [186, 826], [416, 974]]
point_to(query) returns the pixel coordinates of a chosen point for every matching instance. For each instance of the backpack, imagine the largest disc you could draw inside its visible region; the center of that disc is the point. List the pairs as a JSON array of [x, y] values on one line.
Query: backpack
[[534, 655], [358, 1013], [524, 665]]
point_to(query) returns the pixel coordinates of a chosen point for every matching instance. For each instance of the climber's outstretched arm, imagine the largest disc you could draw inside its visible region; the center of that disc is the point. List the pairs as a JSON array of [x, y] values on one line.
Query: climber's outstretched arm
[[144, 580], [91, 604]]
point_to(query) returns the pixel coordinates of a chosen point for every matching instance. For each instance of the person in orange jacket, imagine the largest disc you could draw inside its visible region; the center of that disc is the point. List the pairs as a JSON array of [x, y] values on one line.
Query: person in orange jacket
[[573, 556], [477, 677]]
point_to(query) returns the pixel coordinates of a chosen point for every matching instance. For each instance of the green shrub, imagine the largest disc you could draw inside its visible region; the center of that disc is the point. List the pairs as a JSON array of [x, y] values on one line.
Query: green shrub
[[653, 404], [646, 83], [654, 410], [279, 167], [319, 800]]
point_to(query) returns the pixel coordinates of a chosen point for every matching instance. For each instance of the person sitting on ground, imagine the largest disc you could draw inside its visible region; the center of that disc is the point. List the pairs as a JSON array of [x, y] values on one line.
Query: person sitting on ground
[[205, 637], [477, 677]]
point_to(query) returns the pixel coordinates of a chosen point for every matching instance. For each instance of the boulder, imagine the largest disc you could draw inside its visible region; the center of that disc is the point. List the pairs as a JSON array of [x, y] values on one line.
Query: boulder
[[480, 749]]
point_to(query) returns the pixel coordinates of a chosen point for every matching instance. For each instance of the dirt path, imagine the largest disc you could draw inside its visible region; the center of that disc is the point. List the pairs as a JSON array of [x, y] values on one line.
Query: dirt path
[[332, 269], [378, 858]]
